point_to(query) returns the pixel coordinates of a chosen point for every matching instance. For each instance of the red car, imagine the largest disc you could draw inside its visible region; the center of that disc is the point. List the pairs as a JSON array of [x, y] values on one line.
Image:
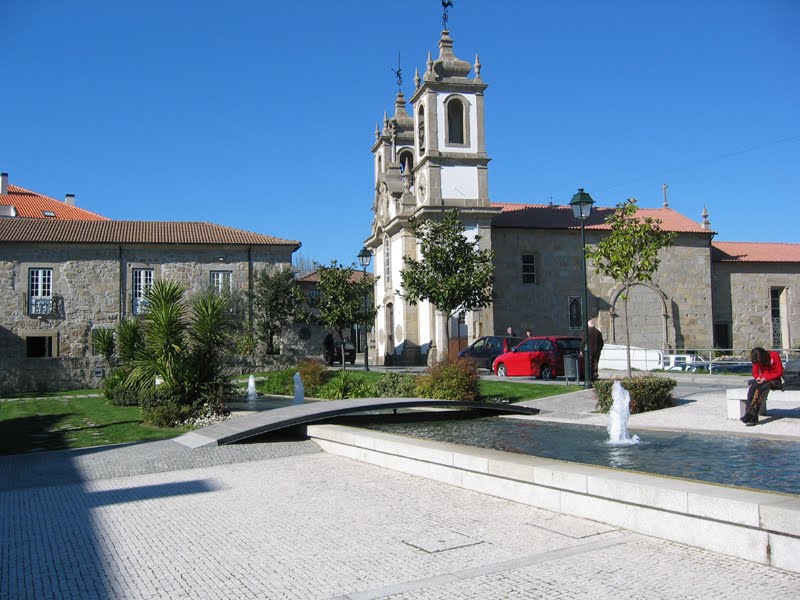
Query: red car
[[539, 356]]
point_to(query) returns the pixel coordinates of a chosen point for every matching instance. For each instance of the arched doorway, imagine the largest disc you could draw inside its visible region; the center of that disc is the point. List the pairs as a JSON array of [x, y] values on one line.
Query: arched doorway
[[647, 317]]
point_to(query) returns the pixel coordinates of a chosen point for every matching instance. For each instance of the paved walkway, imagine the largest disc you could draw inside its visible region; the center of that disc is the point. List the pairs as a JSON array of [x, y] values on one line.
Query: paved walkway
[[283, 520]]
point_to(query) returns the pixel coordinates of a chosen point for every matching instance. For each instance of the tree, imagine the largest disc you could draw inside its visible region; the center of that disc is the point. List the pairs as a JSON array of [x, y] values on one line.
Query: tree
[[278, 301], [453, 273], [342, 299], [629, 254]]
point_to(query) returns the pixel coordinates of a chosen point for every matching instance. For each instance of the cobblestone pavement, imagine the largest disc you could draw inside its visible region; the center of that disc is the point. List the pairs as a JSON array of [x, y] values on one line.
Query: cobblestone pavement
[[156, 521]]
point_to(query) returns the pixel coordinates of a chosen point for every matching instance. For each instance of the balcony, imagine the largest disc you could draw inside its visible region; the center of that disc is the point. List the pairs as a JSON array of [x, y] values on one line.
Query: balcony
[[38, 306]]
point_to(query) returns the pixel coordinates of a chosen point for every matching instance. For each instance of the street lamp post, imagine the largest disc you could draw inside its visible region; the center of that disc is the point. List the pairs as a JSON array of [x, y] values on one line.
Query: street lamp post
[[364, 258], [581, 204]]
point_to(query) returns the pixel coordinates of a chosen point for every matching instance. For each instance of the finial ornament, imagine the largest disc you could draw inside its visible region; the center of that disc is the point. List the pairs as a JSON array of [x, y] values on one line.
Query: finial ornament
[[445, 5], [398, 73]]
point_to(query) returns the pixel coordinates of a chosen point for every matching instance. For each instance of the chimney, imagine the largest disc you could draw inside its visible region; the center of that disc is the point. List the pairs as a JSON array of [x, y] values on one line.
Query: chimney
[[3, 183], [69, 199]]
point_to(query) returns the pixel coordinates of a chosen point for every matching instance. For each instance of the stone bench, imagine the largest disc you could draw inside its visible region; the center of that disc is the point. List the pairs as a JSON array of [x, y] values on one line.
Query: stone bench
[[737, 401]]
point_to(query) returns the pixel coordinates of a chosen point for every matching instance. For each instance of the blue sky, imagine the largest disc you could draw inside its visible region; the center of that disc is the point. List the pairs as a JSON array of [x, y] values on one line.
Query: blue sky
[[261, 115]]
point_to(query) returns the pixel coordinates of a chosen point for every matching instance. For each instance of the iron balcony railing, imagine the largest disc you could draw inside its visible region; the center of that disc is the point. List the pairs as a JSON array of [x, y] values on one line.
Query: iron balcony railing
[[38, 306]]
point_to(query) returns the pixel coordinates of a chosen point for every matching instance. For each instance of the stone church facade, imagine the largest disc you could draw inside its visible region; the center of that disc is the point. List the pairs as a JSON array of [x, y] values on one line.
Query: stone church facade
[[434, 158]]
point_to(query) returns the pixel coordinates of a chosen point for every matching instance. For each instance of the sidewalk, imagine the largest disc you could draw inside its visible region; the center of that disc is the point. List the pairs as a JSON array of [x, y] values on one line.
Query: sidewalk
[[284, 520]]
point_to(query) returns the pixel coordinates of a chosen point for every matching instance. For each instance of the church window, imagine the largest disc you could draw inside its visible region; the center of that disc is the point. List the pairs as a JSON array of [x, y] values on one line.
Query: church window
[[421, 130], [528, 268], [455, 121], [575, 304], [387, 259], [406, 161]]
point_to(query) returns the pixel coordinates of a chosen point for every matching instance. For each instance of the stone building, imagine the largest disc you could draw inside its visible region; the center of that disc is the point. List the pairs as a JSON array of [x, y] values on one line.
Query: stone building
[[706, 294], [64, 279]]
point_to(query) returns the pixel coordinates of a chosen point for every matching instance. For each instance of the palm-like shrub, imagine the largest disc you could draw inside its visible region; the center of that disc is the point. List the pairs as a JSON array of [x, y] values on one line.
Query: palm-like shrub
[[180, 351]]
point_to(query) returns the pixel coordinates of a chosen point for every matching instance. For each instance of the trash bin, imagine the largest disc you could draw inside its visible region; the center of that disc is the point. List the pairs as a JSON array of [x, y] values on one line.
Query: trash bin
[[571, 367]]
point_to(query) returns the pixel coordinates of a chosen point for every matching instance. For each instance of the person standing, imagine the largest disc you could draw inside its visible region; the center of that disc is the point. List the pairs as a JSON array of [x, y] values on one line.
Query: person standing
[[595, 344], [767, 373], [510, 331], [328, 347], [528, 333]]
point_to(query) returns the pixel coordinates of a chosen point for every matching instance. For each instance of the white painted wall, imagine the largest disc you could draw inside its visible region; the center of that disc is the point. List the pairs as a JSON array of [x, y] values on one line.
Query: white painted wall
[[459, 182]]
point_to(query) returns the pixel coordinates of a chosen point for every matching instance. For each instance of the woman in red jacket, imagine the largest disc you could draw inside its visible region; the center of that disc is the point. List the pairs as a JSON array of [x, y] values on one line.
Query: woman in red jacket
[[767, 372]]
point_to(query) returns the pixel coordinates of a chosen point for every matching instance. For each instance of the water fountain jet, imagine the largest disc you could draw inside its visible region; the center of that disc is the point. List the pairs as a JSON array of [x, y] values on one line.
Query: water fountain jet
[[252, 394], [618, 418]]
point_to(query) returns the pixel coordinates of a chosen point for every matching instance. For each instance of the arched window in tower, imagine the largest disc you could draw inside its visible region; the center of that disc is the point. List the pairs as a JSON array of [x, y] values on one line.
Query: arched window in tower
[[421, 130], [406, 161], [455, 121], [387, 260]]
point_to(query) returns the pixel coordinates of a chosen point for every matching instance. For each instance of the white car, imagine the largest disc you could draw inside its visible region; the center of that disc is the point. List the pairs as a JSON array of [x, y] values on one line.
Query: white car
[[683, 362]]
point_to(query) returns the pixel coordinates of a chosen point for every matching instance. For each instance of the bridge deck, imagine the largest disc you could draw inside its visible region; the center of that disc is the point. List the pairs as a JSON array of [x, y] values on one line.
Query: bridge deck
[[237, 429]]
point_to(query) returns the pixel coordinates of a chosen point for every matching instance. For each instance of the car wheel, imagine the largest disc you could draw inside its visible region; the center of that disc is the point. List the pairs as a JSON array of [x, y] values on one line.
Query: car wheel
[[546, 372], [501, 370]]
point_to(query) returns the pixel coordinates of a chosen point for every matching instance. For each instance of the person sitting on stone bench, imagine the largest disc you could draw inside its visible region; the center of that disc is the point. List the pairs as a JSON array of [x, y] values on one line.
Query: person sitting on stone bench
[[767, 373]]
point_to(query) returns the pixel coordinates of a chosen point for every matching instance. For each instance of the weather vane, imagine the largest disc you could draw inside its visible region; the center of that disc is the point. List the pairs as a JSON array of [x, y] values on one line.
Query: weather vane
[[445, 5], [398, 72]]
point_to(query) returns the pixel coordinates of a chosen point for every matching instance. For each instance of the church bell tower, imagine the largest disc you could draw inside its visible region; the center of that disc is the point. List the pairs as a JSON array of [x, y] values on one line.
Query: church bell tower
[[425, 164]]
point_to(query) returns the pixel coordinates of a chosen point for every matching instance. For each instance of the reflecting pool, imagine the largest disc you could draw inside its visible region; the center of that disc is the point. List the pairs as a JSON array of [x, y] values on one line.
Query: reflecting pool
[[759, 463]]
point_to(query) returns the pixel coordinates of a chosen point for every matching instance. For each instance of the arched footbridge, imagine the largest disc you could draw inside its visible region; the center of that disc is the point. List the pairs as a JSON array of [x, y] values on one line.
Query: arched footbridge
[[240, 428]]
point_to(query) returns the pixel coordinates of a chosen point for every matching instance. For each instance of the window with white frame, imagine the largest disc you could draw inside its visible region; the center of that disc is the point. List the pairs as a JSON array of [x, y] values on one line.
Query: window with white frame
[[221, 281], [528, 268], [40, 291], [387, 259], [142, 282]]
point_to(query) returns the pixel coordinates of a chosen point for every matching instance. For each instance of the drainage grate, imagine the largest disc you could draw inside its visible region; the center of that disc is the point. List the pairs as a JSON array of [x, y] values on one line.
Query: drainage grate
[[442, 542]]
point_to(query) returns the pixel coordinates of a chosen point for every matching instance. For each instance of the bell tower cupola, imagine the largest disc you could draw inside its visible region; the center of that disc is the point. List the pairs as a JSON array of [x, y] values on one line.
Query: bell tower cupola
[[450, 145]]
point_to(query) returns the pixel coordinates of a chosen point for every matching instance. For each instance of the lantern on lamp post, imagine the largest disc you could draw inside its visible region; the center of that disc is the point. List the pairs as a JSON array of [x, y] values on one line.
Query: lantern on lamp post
[[364, 258]]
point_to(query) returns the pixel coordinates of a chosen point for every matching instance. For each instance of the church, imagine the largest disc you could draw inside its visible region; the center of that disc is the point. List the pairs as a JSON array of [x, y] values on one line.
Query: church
[[431, 157]]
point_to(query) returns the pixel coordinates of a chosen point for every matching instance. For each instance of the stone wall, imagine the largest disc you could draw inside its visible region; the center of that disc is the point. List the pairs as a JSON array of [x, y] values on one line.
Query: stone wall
[[674, 312], [742, 301], [94, 283]]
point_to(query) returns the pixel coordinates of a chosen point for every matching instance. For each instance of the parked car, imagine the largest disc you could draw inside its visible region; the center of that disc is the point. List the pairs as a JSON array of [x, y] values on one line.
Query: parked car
[[539, 356], [484, 350], [683, 362], [349, 353]]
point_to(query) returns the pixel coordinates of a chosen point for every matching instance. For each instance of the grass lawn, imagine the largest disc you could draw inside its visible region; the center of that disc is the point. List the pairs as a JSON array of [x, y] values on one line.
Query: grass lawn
[[519, 392], [60, 420]]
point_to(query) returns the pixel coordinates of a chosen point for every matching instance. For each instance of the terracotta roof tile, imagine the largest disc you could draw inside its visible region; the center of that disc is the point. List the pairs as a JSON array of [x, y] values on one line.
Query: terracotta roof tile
[[544, 216], [33, 205], [131, 232], [754, 252]]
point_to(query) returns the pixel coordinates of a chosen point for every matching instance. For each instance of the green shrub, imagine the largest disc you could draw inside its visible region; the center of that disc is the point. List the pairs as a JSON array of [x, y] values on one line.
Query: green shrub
[[245, 344], [277, 383], [396, 385], [346, 385], [162, 408], [114, 391], [647, 393], [313, 373], [450, 379]]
